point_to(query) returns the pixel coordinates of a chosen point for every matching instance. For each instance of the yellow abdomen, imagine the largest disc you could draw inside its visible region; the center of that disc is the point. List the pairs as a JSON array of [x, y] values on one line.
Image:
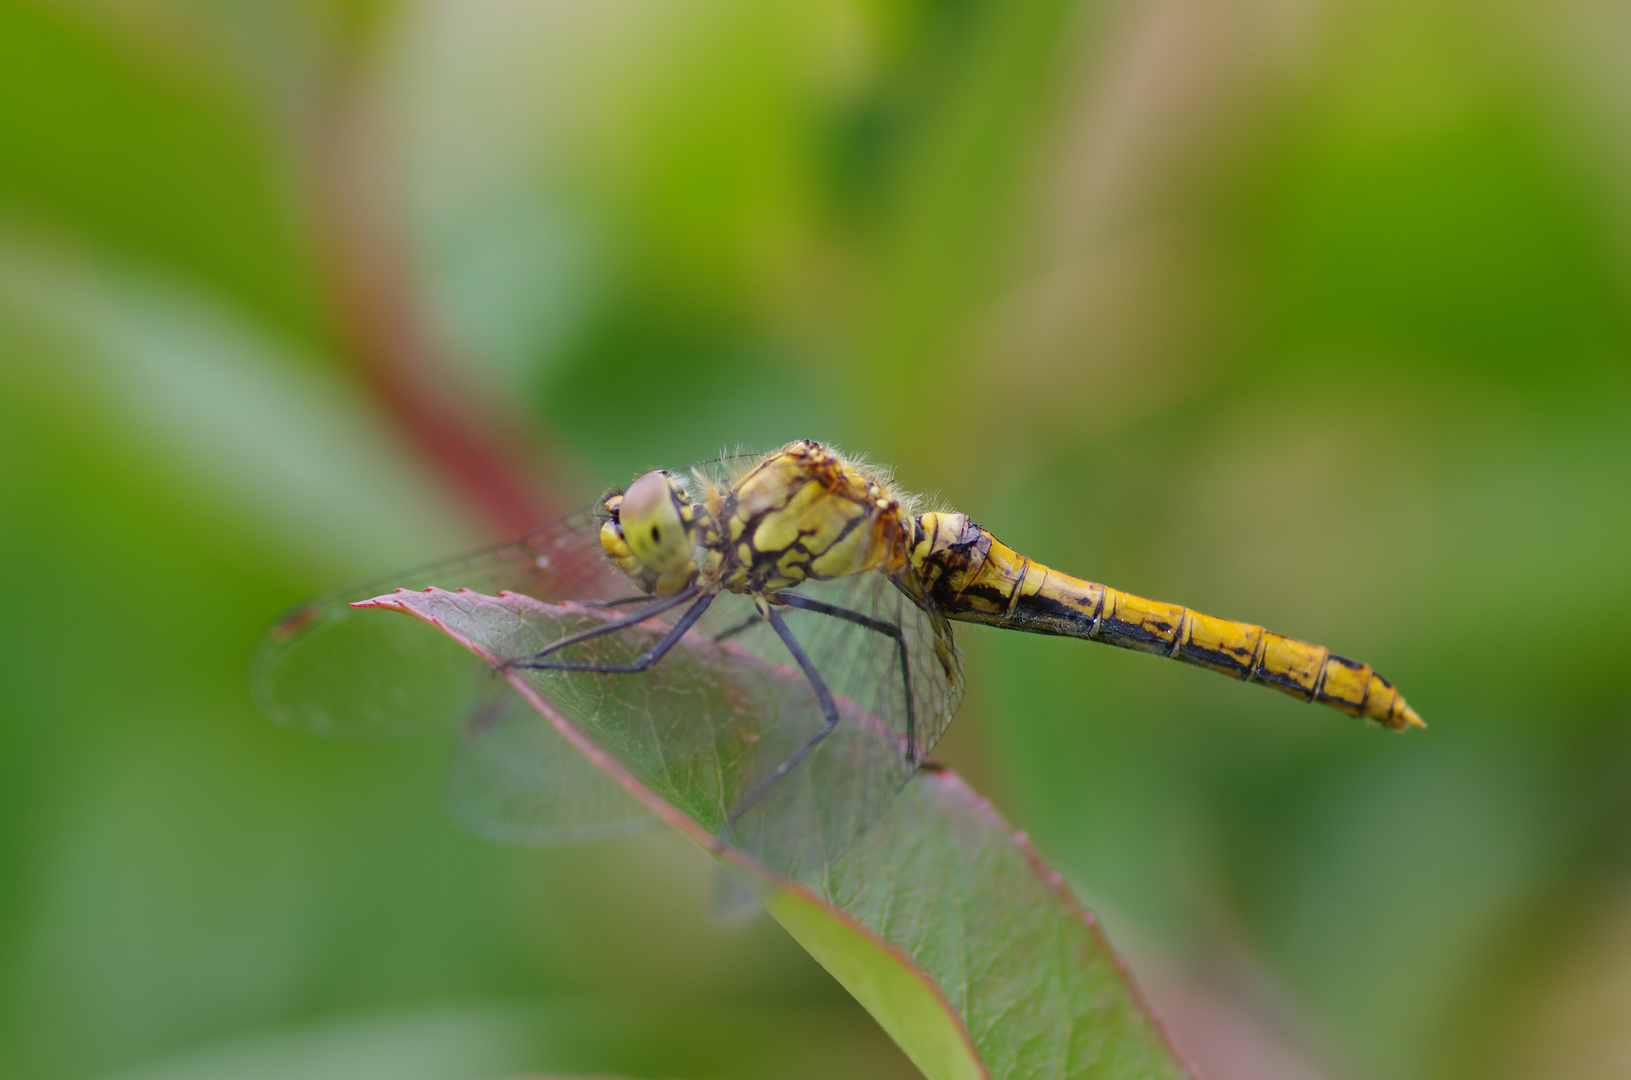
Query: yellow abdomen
[[977, 578]]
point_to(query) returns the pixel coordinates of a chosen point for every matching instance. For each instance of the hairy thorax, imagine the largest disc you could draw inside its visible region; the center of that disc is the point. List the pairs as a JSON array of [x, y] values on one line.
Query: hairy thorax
[[803, 513]]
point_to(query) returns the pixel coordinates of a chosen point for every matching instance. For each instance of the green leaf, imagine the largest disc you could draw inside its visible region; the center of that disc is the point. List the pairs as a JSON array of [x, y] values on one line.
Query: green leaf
[[940, 920], [558, 1037], [163, 369]]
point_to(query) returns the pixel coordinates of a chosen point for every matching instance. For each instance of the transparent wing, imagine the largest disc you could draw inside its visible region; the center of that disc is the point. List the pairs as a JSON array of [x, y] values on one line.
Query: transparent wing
[[332, 669], [896, 691], [516, 780]]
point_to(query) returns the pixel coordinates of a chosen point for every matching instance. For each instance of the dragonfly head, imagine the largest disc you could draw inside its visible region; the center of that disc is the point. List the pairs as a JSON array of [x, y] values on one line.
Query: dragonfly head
[[651, 533]]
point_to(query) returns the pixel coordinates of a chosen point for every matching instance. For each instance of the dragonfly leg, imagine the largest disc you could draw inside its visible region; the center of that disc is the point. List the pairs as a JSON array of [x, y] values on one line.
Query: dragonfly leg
[[639, 663], [643, 598], [829, 714], [888, 629], [616, 624]]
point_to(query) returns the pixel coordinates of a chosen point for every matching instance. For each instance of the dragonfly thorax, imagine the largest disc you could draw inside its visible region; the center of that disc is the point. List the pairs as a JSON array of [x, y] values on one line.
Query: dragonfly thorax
[[804, 513]]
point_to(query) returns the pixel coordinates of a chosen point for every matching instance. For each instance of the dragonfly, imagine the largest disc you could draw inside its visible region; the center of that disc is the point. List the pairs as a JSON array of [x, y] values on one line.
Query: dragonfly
[[765, 640]]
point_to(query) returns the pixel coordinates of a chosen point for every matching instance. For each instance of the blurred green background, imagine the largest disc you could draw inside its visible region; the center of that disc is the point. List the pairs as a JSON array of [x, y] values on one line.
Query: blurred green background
[[1316, 314]]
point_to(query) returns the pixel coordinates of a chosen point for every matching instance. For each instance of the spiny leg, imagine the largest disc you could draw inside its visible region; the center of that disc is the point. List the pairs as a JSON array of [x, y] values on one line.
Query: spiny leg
[[829, 713], [886, 628], [616, 624], [639, 663]]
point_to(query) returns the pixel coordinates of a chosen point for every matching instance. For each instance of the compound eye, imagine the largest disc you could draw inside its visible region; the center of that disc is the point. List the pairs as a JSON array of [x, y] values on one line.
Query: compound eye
[[650, 516]]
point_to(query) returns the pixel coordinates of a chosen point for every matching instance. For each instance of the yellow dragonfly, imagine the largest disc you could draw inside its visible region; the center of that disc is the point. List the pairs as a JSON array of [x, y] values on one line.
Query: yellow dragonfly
[[763, 639]]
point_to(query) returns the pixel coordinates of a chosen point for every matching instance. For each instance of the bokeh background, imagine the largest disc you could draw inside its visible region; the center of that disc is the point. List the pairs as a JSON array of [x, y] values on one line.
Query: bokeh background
[[1315, 313]]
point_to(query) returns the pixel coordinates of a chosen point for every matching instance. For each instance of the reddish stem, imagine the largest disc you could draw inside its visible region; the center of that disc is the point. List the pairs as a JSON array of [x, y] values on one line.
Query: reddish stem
[[489, 455]]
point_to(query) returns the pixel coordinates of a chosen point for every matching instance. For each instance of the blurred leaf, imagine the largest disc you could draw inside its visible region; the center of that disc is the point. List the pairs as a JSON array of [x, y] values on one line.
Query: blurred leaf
[[148, 142], [940, 920], [1465, 243], [228, 406], [949, 244], [550, 1039], [443, 1045]]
